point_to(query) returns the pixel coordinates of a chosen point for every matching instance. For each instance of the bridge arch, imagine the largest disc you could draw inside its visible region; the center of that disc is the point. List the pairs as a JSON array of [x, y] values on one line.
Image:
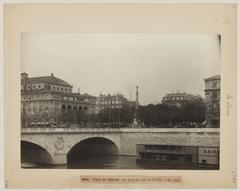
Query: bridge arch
[[34, 154], [91, 147]]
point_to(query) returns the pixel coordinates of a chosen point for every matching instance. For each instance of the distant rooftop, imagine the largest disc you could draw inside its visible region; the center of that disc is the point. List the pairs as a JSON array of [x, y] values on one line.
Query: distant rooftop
[[47, 79], [110, 95], [180, 94], [216, 77], [176, 93], [86, 95]]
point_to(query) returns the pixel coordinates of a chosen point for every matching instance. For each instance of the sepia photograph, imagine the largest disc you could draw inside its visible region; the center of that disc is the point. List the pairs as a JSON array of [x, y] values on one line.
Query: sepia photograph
[[125, 95], [120, 101]]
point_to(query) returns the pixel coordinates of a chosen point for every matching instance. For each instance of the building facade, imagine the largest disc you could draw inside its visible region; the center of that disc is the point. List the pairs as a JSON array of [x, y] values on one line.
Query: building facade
[[49, 99], [179, 99], [110, 102], [212, 101]]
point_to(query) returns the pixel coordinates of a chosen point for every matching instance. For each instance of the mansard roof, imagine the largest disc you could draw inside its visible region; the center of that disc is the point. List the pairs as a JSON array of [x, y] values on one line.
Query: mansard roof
[[216, 77], [47, 79]]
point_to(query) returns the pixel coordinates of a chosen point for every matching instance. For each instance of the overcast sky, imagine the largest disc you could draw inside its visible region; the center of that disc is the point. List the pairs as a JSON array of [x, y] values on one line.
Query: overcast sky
[[117, 63]]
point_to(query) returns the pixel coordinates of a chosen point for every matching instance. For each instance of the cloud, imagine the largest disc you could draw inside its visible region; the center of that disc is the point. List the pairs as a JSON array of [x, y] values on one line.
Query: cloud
[[117, 62]]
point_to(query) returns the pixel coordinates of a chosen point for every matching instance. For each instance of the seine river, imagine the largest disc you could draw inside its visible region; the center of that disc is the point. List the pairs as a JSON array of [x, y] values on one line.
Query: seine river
[[113, 162]]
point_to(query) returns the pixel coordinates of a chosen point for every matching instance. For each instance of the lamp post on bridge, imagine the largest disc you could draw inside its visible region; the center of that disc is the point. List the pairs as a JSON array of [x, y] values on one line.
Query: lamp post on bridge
[[109, 117], [119, 116], [136, 120]]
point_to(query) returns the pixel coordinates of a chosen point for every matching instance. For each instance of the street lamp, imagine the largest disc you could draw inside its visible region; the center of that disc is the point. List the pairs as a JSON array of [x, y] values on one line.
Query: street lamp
[[119, 116], [109, 121]]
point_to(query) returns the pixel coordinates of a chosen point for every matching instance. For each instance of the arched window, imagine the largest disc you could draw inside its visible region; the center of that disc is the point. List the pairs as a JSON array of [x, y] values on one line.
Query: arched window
[[69, 113], [80, 109], [64, 113], [85, 109], [79, 116], [74, 114], [69, 108]]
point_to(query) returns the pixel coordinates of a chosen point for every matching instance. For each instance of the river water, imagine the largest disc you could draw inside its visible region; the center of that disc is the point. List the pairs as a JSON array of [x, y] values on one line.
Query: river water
[[114, 162]]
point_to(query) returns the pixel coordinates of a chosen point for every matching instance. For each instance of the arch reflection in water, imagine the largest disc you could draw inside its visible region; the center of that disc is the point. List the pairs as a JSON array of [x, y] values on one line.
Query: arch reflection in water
[[93, 153], [33, 155]]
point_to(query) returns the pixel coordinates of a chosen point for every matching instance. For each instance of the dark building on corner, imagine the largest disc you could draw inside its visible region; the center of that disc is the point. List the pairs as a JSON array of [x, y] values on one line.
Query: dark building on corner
[[49, 99], [212, 100]]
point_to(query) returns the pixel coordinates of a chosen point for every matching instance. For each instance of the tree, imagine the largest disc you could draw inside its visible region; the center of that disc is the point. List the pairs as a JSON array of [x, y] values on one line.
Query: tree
[[164, 115]]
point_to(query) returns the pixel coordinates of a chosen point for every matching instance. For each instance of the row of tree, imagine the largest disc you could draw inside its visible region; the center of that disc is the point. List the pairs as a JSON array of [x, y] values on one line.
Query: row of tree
[[156, 115], [170, 115], [151, 115]]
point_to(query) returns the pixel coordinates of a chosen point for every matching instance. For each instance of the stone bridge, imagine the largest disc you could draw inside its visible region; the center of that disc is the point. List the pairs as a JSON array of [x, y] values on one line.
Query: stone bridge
[[59, 142]]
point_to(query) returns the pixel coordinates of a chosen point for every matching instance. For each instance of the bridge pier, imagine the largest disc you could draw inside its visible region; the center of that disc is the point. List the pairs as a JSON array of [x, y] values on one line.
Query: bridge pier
[[60, 158]]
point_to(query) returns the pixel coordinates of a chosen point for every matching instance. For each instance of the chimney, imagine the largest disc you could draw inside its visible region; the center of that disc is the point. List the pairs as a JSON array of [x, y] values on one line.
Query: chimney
[[52, 75], [24, 75]]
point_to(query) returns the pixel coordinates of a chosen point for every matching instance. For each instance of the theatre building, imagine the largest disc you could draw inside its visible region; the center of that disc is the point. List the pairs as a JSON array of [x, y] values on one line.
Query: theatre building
[[49, 99]]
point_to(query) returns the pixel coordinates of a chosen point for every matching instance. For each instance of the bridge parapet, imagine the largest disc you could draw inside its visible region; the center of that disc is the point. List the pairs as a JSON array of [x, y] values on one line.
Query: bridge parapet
[[123, 130], [67, 130], [171, 130]]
